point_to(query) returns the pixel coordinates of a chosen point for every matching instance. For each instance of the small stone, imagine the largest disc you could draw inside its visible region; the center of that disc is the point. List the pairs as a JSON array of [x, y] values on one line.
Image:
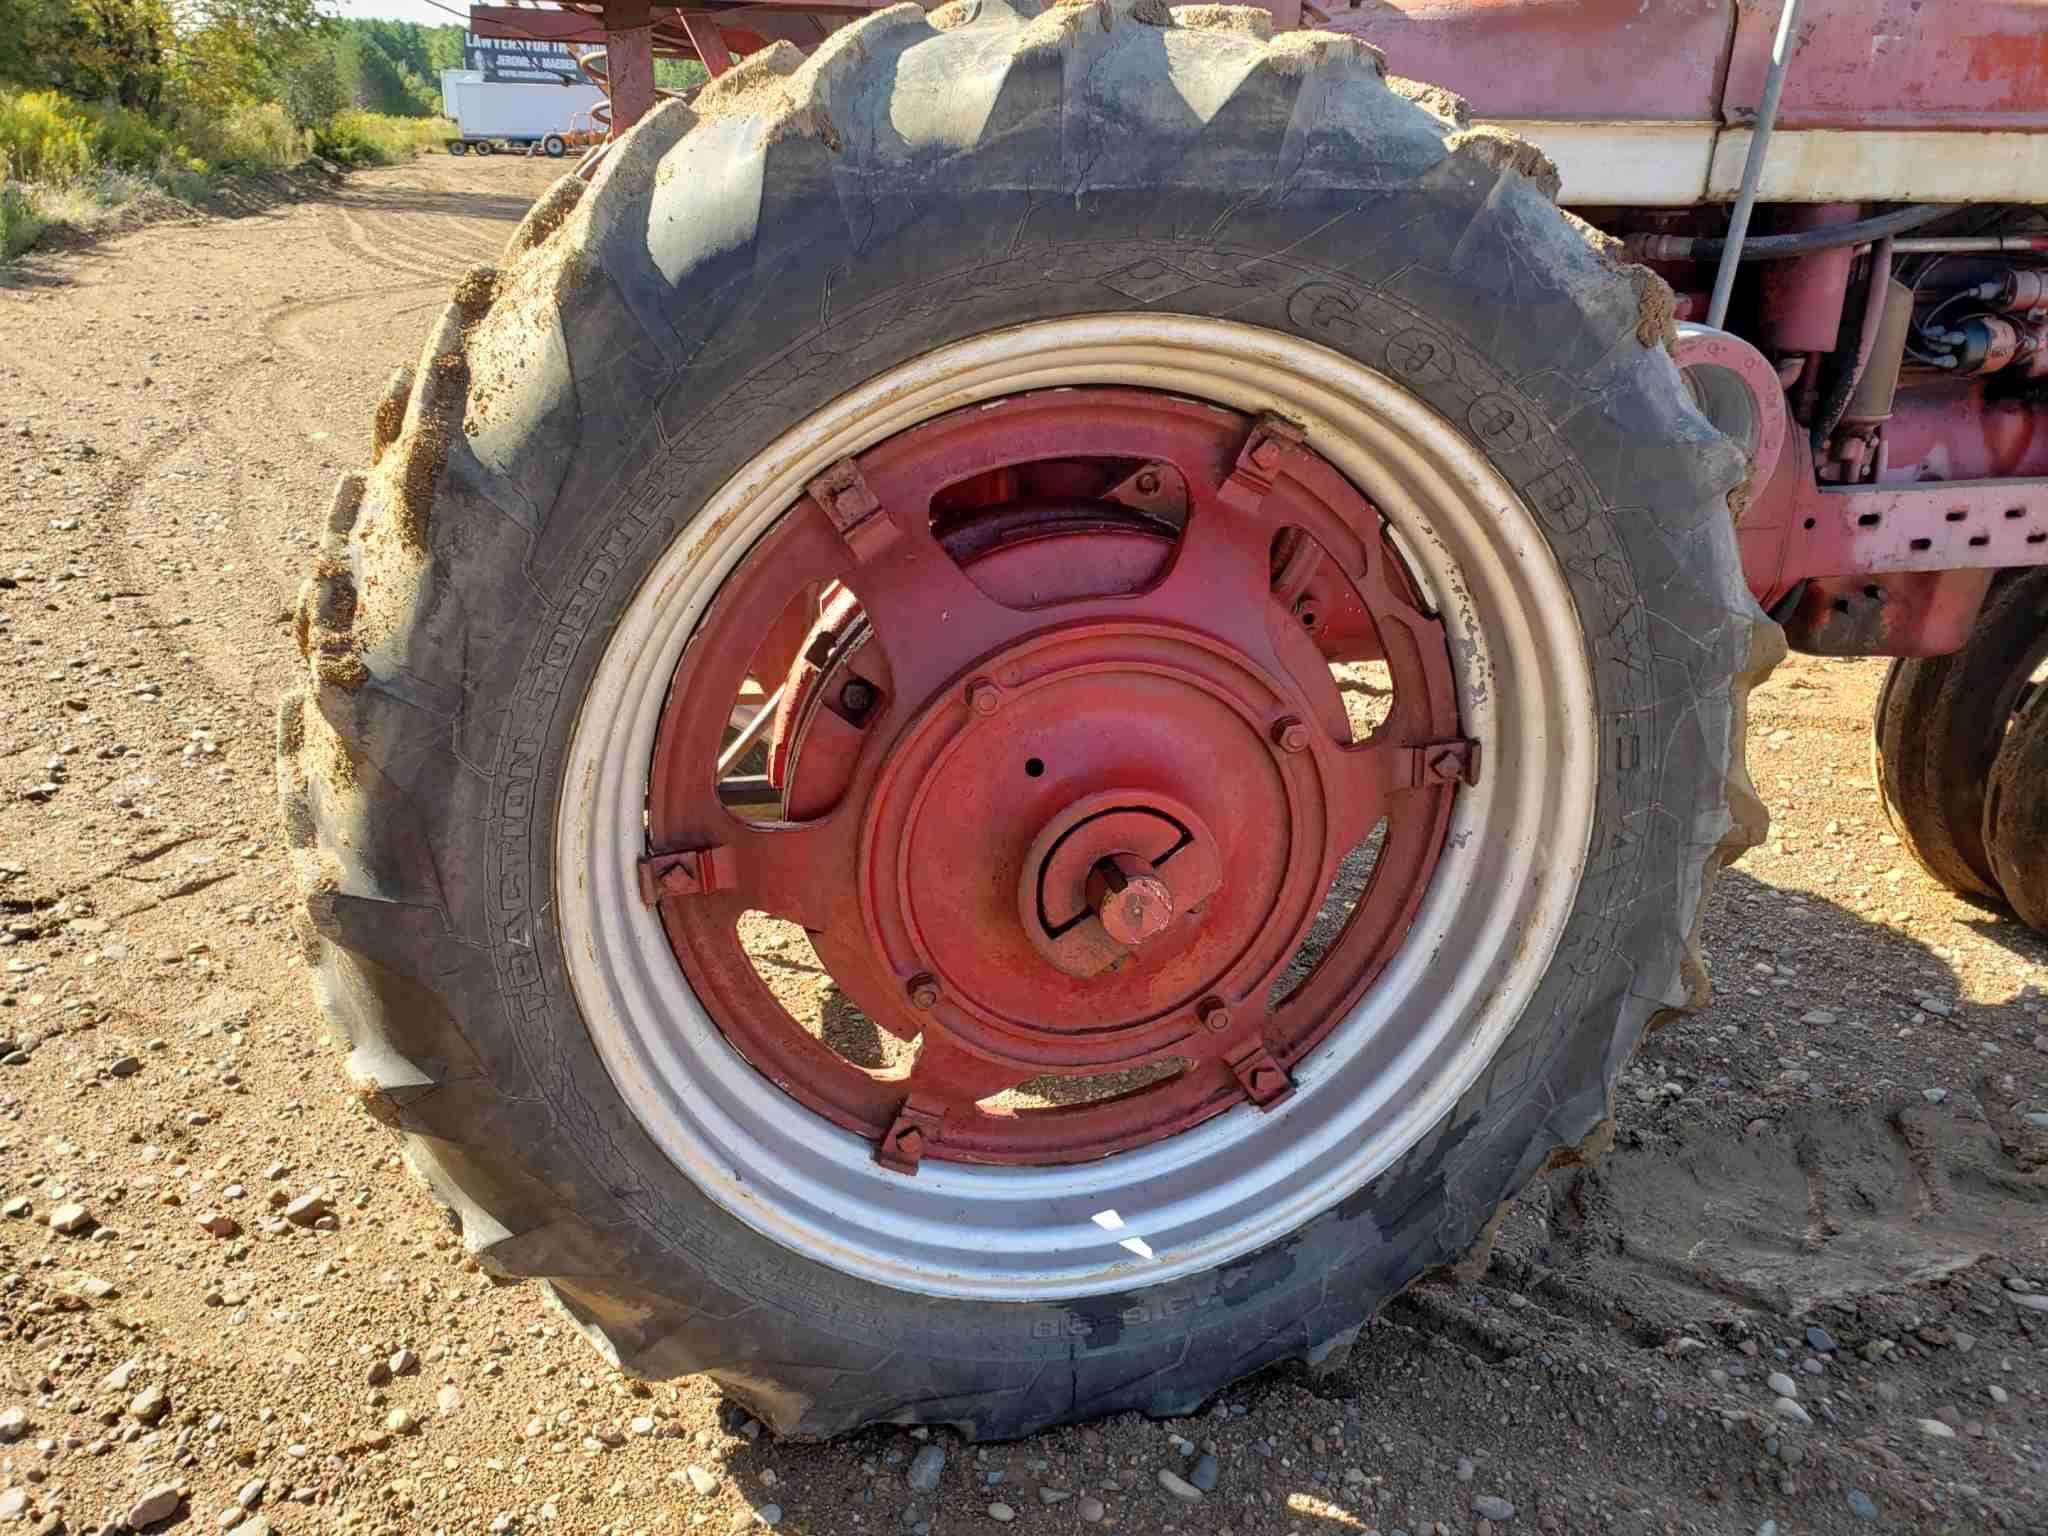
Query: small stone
[[1091, 1510], [14, 1423], [1179, 1486], [257, 1526], [1204, 1474], [1963, 1342], [250, 1494], [769, 1514], [13, 1505], [1488, 1507], [1782, 1384], [1860, 1505], [702, 1481], [160, 1503], [1820, 1340], [220, 1224], [400, 1421], [1048, 1495], [1996, 1393], [70, 1218], [447, 1400], [1785, 1408], [1466, 1470], [403, 1362], [1934, 1429], [2031, 1301], [18, 1207], [925, 1468], [1934, 1095], [306, 1210], [378, 1373], [149, 1404], [1002, 1514]]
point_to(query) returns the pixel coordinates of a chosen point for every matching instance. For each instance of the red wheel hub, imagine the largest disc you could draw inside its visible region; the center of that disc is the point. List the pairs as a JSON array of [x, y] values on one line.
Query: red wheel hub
[[1064, 773]]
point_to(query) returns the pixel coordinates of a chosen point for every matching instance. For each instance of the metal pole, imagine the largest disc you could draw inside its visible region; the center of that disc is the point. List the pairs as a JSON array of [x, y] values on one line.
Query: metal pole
[[1753, 167]]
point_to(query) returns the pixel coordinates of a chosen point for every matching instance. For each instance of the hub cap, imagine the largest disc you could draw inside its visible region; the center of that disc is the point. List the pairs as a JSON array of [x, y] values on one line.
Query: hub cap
[[1060, 781], [1095, 800]]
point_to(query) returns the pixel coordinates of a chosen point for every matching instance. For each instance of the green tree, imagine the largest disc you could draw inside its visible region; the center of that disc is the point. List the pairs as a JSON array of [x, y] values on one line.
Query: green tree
[[309, 83]]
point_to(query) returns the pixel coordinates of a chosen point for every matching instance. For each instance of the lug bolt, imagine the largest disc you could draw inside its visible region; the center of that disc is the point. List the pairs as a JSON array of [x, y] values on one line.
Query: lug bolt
[[856, 696], [1148, 482], [924, 991], [1214, 1015], [984, 697], [1290, 735]]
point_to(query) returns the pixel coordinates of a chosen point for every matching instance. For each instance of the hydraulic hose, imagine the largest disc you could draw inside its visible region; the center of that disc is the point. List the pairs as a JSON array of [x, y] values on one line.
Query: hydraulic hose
[[1785, 247]]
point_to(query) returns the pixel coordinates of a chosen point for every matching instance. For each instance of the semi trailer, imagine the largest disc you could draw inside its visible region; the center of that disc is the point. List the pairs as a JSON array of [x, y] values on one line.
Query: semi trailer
[[531, 116]]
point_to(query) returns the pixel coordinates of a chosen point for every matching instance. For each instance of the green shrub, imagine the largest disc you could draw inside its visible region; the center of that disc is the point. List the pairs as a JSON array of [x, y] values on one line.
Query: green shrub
[[20, 224], [373, 138], [43, 137]]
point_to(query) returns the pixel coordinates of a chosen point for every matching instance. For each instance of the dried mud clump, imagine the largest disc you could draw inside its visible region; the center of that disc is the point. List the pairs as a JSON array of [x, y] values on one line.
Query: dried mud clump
[[1251, 21], [387, 418], [1300, 53], [549, 213], [476, 290], [1504, 151], [1445, 103], [1656, 305]]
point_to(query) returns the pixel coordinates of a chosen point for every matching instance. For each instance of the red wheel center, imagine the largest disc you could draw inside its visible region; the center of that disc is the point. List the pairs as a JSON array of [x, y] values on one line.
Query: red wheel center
[[1068, 772]]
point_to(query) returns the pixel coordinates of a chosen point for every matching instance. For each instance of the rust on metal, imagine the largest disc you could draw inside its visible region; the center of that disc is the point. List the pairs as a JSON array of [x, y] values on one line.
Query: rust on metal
[[686, 872]]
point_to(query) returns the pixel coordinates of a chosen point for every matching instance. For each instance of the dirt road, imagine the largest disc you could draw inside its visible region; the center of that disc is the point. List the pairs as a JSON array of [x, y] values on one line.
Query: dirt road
[[1835, 1173]]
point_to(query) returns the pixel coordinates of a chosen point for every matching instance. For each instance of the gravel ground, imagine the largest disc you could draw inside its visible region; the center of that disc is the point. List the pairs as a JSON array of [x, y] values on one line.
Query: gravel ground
[[1806, 1287]]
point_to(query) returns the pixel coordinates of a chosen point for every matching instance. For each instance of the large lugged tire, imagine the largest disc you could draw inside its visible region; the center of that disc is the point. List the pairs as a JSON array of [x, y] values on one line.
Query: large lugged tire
[[1186, 256], [1939, 724], [2016, 814]]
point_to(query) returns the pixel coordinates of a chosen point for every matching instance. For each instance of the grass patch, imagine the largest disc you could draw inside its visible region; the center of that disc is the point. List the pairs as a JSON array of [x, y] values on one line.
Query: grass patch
[[370, 138], [66, 164]]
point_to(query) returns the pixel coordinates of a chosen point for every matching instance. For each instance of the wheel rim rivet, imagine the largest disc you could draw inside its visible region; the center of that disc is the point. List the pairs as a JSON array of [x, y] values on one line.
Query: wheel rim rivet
[[924, 992], [984, 697], [1290, 735]]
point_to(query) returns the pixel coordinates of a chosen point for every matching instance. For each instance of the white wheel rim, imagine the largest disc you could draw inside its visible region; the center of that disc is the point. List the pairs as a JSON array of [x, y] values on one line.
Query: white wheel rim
[[1483, 939]]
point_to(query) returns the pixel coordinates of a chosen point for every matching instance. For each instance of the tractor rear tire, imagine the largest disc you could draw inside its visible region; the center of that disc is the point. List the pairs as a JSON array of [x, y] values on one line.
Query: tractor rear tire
[[1938, 727], [2016, 814], [554, 146], [931, 218]]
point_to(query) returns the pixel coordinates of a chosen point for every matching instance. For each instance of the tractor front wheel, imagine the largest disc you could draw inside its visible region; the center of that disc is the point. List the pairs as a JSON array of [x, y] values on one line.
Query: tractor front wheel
[[1017, 755]]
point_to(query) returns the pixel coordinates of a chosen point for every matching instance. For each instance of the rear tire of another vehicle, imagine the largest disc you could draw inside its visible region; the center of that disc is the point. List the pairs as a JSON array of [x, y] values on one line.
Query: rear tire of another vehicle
[[2016, 814], [457, 147], [598, 465], [1938, 727], [554, 146], [486, 147]]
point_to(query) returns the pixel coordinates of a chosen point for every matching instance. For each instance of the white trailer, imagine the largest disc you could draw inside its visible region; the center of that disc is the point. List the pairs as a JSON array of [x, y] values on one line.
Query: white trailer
[[536, 116]]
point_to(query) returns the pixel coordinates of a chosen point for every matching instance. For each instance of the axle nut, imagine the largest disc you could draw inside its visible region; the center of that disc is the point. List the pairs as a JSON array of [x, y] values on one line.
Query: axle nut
[[984, 697], [1290, 735]]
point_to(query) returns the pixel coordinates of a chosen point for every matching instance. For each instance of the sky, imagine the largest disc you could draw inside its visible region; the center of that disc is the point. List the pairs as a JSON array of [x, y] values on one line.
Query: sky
[[403, 10]]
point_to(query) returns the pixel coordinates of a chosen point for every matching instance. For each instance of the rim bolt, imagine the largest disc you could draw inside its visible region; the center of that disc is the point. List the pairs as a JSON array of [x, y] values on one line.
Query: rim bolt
[[1214, 1015], [1290, 735], [924, 991], [984, 697], [1148, 482], [856, 696]]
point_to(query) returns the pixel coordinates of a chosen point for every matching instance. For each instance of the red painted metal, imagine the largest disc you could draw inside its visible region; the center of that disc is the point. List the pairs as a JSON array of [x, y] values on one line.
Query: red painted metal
[[1908, 613], [1657, 60], [1802, 300], [1170, 730], [1961, 65]]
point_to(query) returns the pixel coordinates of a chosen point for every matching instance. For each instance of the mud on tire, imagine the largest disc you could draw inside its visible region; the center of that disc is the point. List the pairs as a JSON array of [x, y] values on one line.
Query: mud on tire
[[738, 264]]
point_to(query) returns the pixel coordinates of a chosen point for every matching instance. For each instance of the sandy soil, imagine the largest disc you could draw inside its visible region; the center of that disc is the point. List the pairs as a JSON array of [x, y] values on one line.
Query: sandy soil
[[1831, 1173]]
